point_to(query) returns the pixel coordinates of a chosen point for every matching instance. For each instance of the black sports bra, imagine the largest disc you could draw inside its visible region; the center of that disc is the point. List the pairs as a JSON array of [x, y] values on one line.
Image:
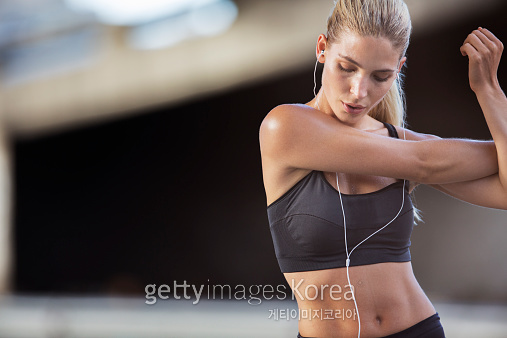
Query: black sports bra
[[306, 224]]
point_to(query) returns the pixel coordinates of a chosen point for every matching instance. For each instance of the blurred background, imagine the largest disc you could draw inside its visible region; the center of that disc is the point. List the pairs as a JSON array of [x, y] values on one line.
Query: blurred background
[[129, 156]]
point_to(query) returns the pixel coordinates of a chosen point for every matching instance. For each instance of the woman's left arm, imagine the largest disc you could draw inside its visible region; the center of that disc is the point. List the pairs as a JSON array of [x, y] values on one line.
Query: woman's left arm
[[486, 192], [484, 51]]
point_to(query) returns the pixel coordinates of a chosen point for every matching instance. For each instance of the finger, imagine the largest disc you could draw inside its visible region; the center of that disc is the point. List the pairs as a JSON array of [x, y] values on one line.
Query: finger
[[468, 50], [486, 40], [492, 37], [474, 40], [463, 50]]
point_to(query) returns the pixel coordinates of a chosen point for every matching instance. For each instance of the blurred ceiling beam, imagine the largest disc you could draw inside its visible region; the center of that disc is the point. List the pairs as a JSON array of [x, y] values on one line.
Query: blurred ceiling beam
[[269, 38]]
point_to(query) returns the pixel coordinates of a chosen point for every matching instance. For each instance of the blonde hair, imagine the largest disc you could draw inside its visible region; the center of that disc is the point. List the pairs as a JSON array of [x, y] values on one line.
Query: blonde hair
[[378, 18]]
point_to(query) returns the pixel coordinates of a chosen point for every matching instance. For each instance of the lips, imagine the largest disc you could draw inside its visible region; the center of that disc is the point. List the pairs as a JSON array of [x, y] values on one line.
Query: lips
[[353, 108]]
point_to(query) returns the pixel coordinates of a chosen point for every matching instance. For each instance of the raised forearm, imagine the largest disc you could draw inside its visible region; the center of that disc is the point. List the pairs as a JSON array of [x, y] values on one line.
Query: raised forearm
[[484, 51], [494, 106], [490, 191]]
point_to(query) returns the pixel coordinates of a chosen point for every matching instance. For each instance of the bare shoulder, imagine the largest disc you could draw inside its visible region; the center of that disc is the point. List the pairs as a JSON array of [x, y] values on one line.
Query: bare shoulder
[[287, 122], [276, 134], [288, 110], [275, 122], [285, 117]]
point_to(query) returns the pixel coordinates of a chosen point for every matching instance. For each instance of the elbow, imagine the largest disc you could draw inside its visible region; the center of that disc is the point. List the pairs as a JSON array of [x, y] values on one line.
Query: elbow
[[501, 201], [429, 168], [425, 173], [503, 184], [426, 168]]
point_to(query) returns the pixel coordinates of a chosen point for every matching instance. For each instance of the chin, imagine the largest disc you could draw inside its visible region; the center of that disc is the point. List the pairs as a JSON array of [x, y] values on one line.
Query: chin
[[346, 119], [349, 118]]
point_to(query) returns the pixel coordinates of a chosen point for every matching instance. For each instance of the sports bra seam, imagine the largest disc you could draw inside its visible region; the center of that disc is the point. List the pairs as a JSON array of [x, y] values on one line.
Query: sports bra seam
[[411, 209], [328, 221], [319, 268], [387, 187], [285, 194], [303, 214]]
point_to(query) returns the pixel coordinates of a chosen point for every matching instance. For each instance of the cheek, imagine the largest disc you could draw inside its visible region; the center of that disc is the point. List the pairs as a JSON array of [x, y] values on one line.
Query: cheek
[[334, 83], [378, 93]]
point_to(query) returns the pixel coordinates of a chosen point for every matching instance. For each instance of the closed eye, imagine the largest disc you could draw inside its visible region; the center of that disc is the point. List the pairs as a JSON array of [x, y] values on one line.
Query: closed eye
[[377, 78], [381, 79], [345, 69]]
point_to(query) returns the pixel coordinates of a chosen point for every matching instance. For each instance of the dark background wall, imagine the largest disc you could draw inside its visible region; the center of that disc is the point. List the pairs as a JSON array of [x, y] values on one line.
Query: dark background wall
[[176, 193]]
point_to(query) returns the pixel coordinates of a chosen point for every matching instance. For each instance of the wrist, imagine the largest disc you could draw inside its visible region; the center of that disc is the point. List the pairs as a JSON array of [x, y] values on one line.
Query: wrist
[[493, 90]]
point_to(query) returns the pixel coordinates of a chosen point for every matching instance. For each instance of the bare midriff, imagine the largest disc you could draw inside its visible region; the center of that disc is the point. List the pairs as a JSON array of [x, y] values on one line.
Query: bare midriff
[[389, 300]]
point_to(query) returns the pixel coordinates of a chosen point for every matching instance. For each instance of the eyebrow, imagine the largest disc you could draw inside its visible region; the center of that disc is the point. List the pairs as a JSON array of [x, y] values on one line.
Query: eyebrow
[[357, 64]]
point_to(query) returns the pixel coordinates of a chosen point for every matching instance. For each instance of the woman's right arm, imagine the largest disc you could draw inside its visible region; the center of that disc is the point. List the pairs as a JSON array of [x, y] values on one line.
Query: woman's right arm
[[298, 136]]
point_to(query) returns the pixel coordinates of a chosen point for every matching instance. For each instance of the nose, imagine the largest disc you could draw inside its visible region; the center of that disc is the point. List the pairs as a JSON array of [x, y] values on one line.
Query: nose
[[359, 87]]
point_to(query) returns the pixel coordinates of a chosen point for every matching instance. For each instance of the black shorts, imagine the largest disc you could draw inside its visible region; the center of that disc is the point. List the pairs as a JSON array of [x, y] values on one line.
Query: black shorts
[[427, 328]]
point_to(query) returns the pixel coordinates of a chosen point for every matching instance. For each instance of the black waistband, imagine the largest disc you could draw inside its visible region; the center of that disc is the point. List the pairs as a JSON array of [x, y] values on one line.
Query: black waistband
[[428, 328]]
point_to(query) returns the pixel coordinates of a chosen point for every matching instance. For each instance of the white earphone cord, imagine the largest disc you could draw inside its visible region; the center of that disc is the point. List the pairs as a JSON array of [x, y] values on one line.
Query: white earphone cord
[[347, 261]]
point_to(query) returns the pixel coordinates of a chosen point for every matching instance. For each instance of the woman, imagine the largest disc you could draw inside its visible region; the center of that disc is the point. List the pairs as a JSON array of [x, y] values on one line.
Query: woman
[[337, 178]]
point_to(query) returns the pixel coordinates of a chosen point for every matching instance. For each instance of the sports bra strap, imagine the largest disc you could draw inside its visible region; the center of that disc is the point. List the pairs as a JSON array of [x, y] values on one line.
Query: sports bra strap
[[391, 129]]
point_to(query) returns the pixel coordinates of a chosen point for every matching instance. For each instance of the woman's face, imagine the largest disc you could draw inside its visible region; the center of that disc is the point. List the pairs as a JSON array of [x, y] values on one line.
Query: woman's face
[[358, 72]]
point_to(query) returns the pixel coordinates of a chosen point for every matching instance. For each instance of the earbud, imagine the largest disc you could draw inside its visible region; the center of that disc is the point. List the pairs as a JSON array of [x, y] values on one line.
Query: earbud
[[321, 52]]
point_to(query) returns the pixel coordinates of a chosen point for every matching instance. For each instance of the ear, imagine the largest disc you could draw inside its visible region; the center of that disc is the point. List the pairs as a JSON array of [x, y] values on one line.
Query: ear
[[321, 46], [402, 62]]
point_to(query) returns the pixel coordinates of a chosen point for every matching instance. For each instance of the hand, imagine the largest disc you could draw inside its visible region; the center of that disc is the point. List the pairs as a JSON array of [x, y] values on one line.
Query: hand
[[484, 52]]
